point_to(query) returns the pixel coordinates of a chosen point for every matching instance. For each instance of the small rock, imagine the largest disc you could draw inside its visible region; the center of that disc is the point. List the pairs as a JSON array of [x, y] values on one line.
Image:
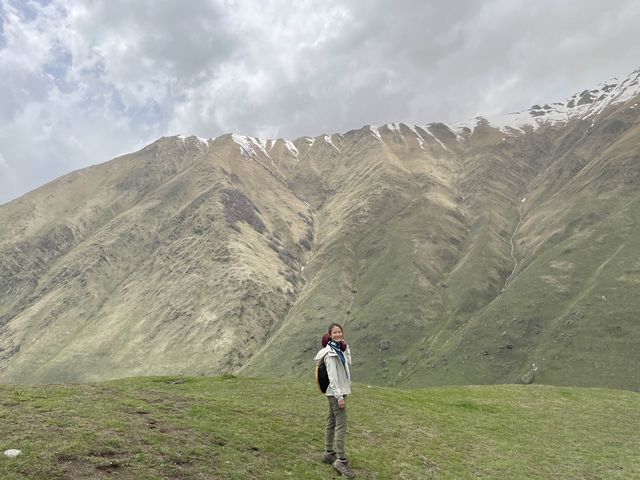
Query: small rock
[[528, 378], [12, 452]]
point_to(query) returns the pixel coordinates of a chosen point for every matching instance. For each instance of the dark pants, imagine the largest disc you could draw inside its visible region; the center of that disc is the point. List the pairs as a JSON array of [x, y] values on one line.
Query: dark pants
[[336, 427]]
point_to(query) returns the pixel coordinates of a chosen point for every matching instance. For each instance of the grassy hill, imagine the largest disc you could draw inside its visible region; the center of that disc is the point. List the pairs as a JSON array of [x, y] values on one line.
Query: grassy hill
[[247, 428]]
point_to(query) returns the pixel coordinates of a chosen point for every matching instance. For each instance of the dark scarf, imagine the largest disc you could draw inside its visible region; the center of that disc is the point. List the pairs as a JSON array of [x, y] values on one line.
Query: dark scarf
[[335, 346]]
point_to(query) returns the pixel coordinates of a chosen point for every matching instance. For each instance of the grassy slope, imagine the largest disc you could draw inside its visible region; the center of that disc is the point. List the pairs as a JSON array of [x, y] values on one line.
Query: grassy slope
[[242, 428], [569, 312]]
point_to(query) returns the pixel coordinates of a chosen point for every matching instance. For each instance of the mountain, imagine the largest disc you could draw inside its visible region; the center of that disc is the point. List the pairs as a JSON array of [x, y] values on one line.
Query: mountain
[[505, 249]]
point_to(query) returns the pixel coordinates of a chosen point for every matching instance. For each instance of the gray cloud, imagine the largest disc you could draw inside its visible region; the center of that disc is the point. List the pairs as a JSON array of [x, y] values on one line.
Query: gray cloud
[[85, 81]]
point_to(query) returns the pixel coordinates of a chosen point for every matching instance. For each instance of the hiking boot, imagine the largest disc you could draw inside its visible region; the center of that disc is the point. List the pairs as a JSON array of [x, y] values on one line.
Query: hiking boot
[[342, 468], [329, 457]]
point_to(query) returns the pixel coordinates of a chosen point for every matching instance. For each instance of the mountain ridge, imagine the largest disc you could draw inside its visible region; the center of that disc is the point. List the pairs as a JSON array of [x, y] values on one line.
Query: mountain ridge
[[591, 101]]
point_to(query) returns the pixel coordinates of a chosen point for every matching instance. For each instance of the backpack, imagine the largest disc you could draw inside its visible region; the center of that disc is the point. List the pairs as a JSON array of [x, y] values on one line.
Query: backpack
[[322, 378]]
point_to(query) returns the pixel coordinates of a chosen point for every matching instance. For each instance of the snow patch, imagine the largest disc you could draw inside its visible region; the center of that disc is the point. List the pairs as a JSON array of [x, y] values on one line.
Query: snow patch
[[199, 141], [586, 104], [458, 128], [394, 127], [261, 143], [426, 129], [327, 138], [248, 145], [375, 131], [419, 137], [292, 148]]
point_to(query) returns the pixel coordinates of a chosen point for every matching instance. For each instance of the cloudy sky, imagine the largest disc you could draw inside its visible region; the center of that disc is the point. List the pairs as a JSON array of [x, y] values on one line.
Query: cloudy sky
[[83, 81]]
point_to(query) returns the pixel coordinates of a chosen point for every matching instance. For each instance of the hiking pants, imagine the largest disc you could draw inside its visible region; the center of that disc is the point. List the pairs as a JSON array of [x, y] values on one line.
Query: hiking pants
[[336, 427]]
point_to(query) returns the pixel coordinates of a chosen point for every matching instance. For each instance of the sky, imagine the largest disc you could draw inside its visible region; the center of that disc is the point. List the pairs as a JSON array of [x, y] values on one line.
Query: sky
[[83, 81]]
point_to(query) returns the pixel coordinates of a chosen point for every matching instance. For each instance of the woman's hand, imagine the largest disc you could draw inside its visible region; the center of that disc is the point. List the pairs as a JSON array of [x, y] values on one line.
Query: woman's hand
[[341, 403]]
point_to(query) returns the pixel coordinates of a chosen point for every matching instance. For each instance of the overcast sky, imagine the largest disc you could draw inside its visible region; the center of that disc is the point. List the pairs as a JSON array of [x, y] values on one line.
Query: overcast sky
[[83, 81]]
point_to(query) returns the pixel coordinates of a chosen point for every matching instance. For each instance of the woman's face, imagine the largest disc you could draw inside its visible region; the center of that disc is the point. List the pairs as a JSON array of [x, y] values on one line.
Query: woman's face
[[336, 334]]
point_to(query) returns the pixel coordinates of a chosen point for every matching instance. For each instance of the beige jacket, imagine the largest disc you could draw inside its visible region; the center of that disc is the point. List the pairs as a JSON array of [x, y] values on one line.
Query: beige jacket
[[339, 376]]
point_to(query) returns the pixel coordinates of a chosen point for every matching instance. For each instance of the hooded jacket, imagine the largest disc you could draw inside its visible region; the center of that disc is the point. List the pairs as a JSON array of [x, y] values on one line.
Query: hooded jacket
[[339, 375]]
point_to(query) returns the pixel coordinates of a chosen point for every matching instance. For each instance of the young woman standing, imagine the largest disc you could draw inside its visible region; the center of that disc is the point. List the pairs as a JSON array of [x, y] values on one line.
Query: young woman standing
[[337, 357]]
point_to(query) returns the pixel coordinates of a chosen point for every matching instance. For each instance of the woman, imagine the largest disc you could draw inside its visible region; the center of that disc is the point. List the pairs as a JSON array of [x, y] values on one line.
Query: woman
[[337, 357]]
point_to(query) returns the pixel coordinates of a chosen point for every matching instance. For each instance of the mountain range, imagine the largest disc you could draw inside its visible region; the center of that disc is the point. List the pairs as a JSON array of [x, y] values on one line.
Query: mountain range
[[505, 249]]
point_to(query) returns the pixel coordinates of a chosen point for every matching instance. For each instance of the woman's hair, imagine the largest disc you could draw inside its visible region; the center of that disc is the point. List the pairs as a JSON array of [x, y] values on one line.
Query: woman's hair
[[335, 325]]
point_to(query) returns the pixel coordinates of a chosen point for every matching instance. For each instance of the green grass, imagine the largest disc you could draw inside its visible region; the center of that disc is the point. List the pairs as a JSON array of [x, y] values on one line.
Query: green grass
[[247, 428]]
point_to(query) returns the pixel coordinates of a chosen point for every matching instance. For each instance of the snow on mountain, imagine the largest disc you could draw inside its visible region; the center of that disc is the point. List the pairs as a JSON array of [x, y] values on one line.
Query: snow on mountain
[[375, 131], [588, 103], [418, 136], [199, 143], [248, 145], [197, 139], [432, 135], [292, 148], [327, 138], [585, 104], [395, 128]]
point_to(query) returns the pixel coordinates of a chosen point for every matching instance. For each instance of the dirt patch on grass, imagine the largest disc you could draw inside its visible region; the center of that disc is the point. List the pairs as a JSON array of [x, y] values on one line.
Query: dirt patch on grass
[[554, 282], [561, 265], [98, 464]]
